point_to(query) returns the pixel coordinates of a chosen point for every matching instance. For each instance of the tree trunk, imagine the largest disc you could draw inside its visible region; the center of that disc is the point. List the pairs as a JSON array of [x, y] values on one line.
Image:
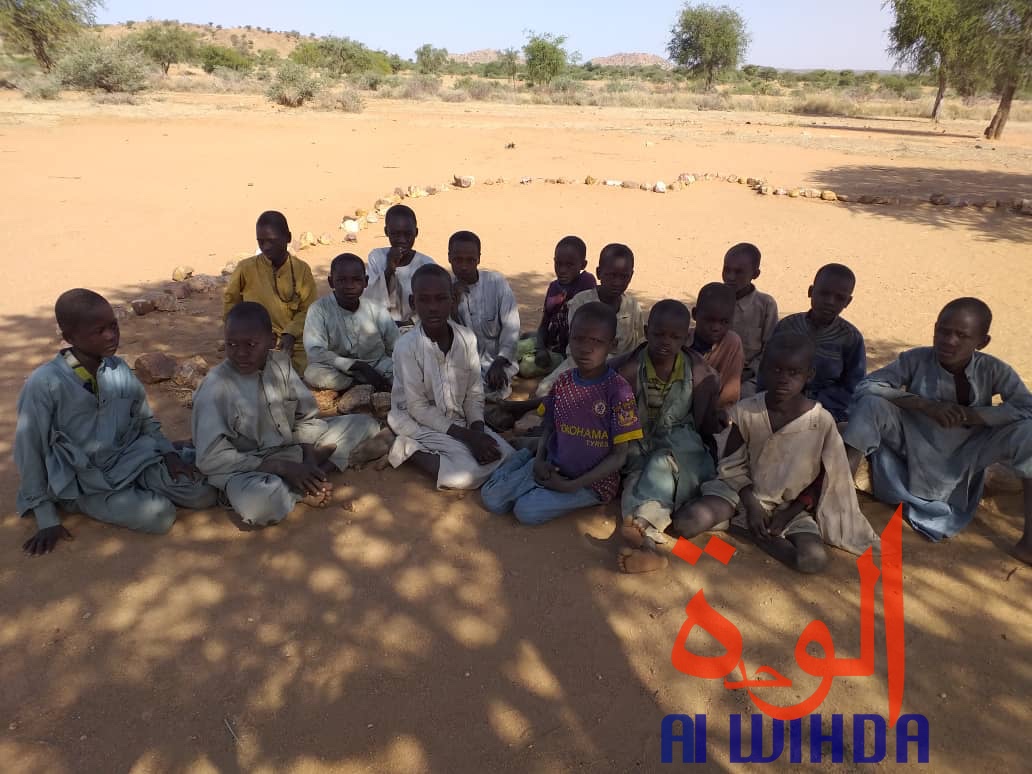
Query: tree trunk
[[40, 49], [995, 128], [937, 107]]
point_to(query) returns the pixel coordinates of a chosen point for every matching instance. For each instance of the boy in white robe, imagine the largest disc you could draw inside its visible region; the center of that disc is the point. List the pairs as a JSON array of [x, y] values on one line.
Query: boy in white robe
[[391, 268], [257, 429], [486, 305], [348, 338], [87, 441], [437, 404]]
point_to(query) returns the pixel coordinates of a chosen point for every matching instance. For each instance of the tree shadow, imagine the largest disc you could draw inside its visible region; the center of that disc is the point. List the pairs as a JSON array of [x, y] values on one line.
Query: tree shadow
[[894, 130], [992, 225]]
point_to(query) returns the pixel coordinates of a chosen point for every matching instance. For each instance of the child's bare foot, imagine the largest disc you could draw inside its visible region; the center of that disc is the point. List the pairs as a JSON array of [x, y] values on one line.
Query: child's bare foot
[[636, 560], [321, 498], [373, 448], [633, 532]]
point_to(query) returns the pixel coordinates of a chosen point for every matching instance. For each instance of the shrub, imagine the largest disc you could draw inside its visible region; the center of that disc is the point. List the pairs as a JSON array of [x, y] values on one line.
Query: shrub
[[717, 101], [368, 81], [293, 85], [42, 87], [421, 87], [91, 63], [566, 85], [454, 95], [824, 106], [617, 87], [220, 56], [346, 100], [120, 98]]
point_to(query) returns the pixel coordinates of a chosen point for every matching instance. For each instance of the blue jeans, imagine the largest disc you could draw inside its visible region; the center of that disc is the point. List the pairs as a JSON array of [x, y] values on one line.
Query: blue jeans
[[512, 488]]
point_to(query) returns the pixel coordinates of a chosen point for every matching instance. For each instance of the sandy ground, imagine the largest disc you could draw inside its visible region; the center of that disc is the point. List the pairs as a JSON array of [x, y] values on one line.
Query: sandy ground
[[403, 630]]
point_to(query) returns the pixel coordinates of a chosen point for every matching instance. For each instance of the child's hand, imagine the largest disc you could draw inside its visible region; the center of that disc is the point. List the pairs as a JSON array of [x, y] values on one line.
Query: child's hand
[[396, 257], [45, 540], [757, 520], [286, 342], [177, 468], [557, 482], [543, 471], [945, 414], [371, 376], [496, 377], [305, 477], [783, 516], [484, 447]]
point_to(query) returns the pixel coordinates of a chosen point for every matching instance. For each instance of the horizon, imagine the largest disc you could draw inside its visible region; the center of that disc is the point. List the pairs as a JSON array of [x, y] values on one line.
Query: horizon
[[850, 38]]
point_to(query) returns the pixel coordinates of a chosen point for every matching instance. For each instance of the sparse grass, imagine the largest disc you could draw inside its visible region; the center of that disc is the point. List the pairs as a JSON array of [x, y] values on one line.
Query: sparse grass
[[115, 98], [40, 87], [346, 100]]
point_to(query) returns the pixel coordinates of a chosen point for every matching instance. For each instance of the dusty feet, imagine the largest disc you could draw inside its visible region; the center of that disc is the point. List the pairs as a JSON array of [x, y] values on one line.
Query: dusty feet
[[638, 560], [373, 448], [321, 498], [633, 532]]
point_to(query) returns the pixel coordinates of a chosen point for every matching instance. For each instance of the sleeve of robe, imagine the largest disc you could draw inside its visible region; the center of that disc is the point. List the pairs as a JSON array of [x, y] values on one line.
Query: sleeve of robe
[[307, 292], [317, 342], [388, 330], [473, 403], [216, 454], [149, 426], [1017, 401], [836, 397], [423, 411], [731, 374], [31, 440], [234, 291], [509, 316]]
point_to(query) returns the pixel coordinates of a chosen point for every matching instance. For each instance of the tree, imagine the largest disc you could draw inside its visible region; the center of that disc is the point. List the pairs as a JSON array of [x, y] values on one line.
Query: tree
[[1007, 34], [222, 56], [430, 60], [510, 62], [928, 36], [706, 40], [39, 26], [545, 56], [167, 44]]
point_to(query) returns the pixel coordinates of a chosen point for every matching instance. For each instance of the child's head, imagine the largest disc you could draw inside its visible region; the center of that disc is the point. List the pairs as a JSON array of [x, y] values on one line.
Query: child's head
[[87, 322], [667, 330], [615, 269], [273, 236], [787, 365], [431, 297], [464, 256], [741, 266], [400, 227], [249, 337], [571, 258], [830, 293], [592, 333], [714, 312], [961, 328], [348, 279]]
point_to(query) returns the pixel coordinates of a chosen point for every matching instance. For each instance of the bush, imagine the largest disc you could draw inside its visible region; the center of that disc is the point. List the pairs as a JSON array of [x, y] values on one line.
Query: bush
[[220, 56], [40, 88], [91, 63], [566, 85], [368, 81], [115, 99], [421, 87], [454, 95], [293, 85], [347, 101], [824, 106]]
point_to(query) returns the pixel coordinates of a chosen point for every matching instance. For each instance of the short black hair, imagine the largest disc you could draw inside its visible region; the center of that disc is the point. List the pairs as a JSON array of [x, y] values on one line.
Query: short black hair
[[273, 219], [615, 250], [717, 294], [576, 244], [73, 306], [596, 311], [463, 236], [835, 270], [345, 258], [428, 271], [786, 343], [250, 312], [671, 309], [745, 250], [400, 211], [976, 306]]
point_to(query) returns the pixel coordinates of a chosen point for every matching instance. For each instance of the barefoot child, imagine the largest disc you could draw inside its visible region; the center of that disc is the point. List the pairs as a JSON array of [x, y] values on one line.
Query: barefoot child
[[541, 353], [486, 305], [615, 270], [677, 396], [590, 418], [784, 476], [86, 440], [278, 281], [756, 313], [391, 268], [720, 347], [257, 428], [841, 360], [928, 423], [437, 404], [348, 338]]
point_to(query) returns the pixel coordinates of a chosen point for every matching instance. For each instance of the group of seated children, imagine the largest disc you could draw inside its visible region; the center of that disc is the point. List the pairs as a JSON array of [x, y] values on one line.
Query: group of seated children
[[739, 422]]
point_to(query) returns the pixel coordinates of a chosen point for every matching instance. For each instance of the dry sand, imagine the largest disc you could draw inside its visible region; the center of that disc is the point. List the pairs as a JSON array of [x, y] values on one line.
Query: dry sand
[[403, 630]]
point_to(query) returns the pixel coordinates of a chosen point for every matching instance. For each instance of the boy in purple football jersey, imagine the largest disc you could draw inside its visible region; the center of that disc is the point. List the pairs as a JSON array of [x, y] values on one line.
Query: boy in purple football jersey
[[589, 417]]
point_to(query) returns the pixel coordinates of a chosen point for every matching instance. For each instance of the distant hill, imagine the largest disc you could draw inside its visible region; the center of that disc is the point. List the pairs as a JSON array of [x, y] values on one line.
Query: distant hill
[[481, 56], [280, 42], [633, 60]]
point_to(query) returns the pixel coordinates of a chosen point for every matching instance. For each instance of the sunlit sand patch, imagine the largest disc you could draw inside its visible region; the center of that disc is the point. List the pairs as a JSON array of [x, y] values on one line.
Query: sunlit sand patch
[[330, 579], [511, 725], [355, 546], [529, 671]]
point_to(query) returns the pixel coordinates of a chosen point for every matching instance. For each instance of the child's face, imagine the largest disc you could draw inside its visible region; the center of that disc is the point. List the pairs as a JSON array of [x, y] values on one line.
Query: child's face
[[401, 232], [614, 274], [247, 346], [590, 343], [568, 264], [348, 281], [829, 295], [464, 258], [739, 272], [273, 243], [432, 301], [97, 333], [958, 334], [666, 335], [712, 322], [786, 373]]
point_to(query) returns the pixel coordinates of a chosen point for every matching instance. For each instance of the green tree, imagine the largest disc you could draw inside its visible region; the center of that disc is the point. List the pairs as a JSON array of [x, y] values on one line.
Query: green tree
[[221, 56], [510, 62], [39, 26], [1006, 33], [166, 44], [430, 60], [545, 56], [706, 40]]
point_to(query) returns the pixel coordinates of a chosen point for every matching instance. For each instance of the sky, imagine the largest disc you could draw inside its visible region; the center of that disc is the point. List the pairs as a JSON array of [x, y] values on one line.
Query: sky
[[796, 34]]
